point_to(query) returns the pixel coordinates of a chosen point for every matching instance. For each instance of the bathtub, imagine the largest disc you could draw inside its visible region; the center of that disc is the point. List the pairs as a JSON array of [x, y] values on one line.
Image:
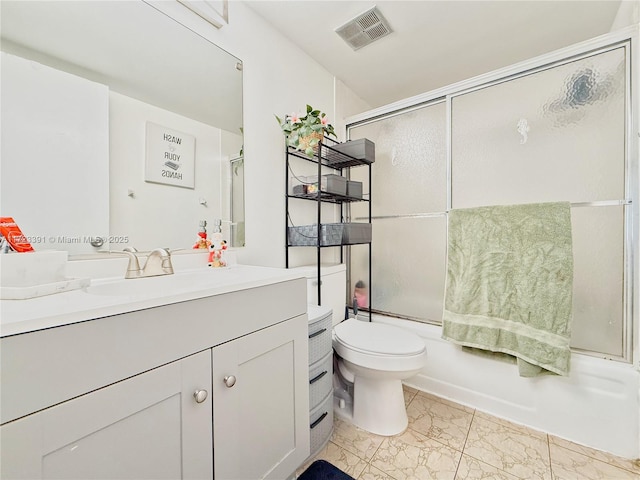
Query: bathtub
[[597, 405]]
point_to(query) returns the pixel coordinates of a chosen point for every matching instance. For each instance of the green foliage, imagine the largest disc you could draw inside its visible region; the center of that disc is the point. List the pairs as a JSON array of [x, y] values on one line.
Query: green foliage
[[296, 128]]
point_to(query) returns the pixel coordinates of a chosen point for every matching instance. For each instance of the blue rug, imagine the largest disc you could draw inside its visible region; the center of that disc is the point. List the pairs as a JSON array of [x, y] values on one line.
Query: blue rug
[[322, 470]]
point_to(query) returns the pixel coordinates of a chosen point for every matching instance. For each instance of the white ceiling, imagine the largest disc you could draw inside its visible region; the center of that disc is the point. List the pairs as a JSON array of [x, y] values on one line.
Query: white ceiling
[[434, 43]]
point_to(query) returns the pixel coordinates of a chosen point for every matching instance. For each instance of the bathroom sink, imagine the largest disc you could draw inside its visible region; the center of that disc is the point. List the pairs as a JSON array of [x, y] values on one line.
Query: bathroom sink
[[161, 285]]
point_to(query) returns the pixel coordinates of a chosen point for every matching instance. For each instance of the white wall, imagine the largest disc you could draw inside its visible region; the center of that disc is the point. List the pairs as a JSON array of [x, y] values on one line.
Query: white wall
[[347, 104], [628, 14]]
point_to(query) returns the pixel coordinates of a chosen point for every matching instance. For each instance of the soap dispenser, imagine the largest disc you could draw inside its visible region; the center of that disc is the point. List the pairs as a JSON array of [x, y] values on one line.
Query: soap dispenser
[[202, 241]]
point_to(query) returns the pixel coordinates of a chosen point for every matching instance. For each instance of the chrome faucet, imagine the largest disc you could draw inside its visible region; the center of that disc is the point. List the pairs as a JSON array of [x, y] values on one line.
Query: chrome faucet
[[133, 269], [158, 263]]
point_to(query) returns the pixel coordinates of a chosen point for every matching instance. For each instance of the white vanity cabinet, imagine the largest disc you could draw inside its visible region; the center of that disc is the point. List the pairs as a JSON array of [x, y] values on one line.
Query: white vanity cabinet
[[123, 396], [148, 426], [256, 387]]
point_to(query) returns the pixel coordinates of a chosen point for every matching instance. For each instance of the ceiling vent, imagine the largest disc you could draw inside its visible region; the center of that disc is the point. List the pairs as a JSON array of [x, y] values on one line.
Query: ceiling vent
[[364, 29]]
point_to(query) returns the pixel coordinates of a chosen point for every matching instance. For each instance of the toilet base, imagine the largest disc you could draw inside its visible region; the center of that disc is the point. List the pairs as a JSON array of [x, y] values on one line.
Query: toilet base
[[378, 406], [372, 404]]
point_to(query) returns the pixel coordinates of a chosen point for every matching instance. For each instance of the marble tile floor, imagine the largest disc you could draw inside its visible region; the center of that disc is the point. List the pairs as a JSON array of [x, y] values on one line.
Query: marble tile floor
[[449, 441]]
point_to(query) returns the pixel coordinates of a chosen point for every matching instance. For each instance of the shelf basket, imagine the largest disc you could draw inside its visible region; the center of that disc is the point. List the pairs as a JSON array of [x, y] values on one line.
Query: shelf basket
[[331, 234]]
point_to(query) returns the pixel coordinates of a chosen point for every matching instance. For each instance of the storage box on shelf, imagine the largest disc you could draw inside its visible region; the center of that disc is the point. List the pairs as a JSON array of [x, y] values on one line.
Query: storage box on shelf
[[354, 189], [330, 183], [362, 149], [337, 155], [333, 188]]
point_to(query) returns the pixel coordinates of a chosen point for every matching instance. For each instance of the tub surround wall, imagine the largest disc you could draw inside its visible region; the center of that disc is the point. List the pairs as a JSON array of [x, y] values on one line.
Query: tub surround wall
[[596, 405]]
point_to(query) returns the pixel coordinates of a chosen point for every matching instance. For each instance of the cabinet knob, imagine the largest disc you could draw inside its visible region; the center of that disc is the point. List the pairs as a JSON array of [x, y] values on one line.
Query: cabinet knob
[[230, 380], [200, 395]]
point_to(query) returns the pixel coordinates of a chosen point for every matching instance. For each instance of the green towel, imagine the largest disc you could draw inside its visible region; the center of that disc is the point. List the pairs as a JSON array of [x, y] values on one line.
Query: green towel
[[510, 281]]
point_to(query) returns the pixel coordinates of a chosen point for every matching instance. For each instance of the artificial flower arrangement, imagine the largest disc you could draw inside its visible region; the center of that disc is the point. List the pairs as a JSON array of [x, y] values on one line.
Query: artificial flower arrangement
[[304, 133]]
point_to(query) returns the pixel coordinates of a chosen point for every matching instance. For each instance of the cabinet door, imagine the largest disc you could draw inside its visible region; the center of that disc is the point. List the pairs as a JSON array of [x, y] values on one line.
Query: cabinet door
[[261, 422], [148, 426]]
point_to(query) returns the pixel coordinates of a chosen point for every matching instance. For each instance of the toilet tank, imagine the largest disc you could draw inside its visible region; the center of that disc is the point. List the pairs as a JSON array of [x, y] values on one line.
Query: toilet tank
[[333, 287]]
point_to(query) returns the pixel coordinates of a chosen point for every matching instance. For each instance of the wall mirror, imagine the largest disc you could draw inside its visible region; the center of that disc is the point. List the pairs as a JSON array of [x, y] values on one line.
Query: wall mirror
[[118, 124]]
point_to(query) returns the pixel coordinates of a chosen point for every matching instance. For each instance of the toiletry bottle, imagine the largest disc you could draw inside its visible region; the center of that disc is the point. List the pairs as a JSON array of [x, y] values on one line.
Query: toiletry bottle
[[218, 246], [360, 294], [202, 241]]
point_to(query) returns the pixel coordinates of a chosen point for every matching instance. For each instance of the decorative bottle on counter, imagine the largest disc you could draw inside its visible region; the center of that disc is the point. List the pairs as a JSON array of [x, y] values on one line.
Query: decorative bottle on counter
[[202, 241], [218, 246]]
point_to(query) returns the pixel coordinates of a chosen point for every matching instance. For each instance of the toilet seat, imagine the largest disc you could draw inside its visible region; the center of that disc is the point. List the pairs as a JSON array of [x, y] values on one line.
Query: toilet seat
[[377, 339]]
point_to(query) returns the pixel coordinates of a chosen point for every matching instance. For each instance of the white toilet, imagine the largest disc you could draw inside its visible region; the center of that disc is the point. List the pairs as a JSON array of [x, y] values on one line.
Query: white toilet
[[372, 360]]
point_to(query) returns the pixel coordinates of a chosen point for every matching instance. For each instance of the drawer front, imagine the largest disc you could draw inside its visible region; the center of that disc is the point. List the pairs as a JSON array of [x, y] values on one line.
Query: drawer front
[[320, 380], [319, 339], [321, 424]]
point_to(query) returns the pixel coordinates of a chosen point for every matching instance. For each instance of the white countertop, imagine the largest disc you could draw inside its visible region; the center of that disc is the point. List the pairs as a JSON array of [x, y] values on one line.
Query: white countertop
[[23, 316]]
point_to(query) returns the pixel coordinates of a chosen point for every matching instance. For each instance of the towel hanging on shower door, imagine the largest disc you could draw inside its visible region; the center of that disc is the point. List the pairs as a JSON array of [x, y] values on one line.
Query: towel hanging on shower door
[[509, 283]]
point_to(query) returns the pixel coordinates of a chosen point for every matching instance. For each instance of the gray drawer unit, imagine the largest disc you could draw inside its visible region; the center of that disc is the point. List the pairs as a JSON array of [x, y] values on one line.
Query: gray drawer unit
[[320, 380], [320, 336], [320, 377], [321, 424]]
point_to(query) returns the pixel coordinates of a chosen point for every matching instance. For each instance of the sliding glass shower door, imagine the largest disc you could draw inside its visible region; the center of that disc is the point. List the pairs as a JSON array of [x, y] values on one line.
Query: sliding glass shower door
[[409, 223], [557, 133]]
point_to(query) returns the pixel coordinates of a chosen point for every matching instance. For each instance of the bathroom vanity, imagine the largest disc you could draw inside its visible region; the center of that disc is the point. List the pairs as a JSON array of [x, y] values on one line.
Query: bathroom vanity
[[202, 375]]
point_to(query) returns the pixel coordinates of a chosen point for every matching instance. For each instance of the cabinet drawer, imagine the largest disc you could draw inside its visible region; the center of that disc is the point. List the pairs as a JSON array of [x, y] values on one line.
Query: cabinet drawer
[[319, 339], [320, 380], [321, 424]]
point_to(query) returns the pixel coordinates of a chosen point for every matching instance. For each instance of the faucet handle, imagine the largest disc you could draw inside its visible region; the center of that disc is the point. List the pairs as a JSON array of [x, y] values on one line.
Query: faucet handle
[[133, 268], [165, 260]]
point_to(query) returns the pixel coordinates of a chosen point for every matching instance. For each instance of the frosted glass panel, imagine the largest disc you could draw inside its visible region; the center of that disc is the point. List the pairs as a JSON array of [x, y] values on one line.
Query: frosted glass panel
[[408, 267], [410, 165], [409, 176], [598, 279], [553, 135]]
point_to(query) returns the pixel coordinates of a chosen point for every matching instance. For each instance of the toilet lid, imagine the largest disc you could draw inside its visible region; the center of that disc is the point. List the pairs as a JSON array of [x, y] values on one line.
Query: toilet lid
[[377, 338]]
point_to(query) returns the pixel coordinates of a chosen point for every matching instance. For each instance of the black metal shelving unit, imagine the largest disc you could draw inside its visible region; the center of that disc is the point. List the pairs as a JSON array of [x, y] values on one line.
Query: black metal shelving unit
[[326, 155]]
